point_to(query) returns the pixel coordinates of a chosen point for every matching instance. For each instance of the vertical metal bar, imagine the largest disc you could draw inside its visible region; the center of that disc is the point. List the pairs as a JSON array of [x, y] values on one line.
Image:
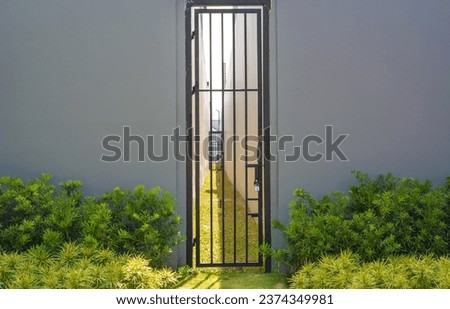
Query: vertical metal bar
[[189, 231], [234, 136], [211, 224], [246, 138], [223, 153], [260, 111], [197, 142], [267, 196]]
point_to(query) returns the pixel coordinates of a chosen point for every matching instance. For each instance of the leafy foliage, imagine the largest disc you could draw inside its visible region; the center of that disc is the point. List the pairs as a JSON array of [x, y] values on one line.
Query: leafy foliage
[[346, 271], [142, 222], [137, 274], [80, 267], [379, 218], [22, 211], [37, 213]]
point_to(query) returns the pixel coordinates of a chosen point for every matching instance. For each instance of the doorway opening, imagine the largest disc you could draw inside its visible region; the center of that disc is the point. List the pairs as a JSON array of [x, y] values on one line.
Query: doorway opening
[[227, 97]]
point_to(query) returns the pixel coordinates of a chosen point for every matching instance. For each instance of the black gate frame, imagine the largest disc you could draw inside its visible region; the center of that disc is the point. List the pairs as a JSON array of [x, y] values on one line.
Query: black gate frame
[[264, 130]]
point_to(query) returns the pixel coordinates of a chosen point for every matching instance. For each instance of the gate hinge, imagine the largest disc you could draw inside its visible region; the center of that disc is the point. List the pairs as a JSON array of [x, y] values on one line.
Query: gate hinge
[[194, 242], [193, 89], [193, 35]]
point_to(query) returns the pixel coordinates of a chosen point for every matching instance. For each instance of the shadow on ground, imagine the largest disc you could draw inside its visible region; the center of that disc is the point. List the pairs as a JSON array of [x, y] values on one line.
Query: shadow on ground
[[235, 279]]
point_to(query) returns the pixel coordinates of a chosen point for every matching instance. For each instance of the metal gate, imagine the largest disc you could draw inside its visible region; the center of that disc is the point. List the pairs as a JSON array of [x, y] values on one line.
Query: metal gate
[[228, 192]]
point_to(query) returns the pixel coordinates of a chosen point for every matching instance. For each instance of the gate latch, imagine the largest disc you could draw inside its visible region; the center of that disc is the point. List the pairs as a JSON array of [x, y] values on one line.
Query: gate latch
[[256, 184]]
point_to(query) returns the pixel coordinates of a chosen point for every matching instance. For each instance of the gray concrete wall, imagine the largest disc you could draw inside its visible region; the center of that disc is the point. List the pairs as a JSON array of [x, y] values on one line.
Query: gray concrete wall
[[376, 70], [73, 72]]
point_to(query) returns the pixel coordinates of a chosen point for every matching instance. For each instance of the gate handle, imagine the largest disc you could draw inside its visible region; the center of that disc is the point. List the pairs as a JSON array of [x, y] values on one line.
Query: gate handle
[[256, 183]]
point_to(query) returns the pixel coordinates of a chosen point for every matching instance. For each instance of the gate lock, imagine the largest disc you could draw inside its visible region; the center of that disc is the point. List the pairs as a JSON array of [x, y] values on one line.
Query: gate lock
[[256, 184]]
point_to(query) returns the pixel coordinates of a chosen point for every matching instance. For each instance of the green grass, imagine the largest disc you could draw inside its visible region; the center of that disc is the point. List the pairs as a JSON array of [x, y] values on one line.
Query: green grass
[[225, 233], [233, 233], [235, 279], [244, 234]]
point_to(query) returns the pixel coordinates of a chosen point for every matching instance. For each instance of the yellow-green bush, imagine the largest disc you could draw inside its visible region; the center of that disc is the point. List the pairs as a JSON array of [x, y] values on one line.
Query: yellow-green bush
[[345, 271], [80, 267], [137, 274]]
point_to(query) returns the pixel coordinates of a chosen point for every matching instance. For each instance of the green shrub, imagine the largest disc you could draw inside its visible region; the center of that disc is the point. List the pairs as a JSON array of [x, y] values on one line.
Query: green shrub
[[136, 222], [137, 274], [379, 218], [36, 213], [23, 207], [346, 271], [143, 222], [80, 267]]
